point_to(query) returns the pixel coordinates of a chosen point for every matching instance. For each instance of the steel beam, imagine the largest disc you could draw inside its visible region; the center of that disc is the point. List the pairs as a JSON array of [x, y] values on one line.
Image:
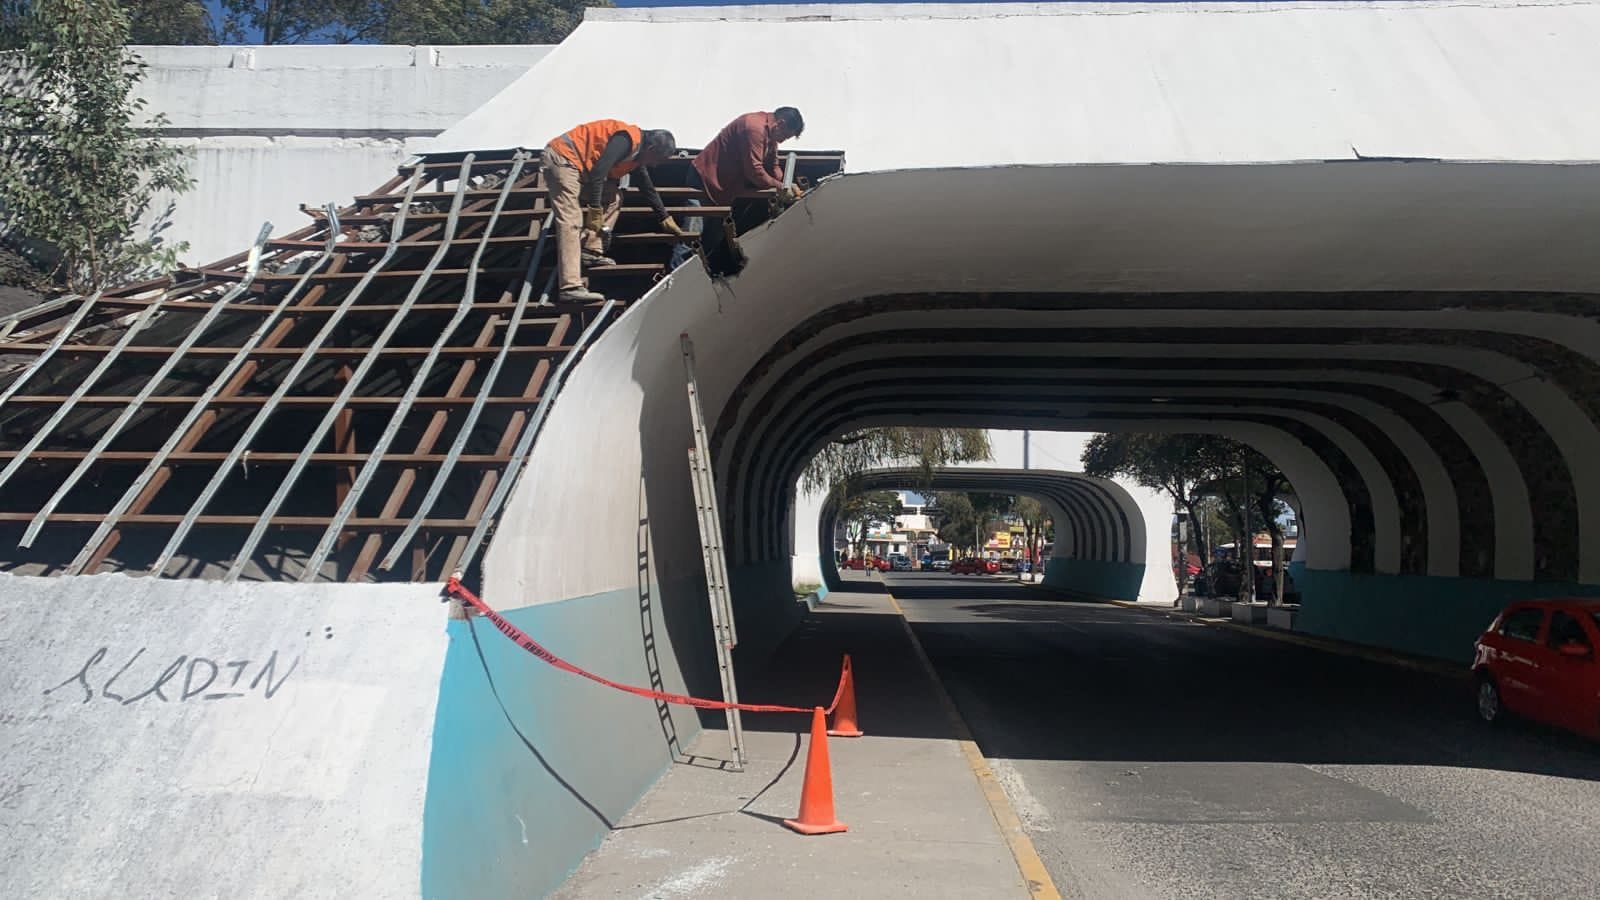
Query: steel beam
[[199, 420], [132, 409], [361, 479], [242, 558]]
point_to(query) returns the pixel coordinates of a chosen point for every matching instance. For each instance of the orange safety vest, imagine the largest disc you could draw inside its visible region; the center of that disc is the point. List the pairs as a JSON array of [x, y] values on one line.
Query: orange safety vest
[[582, 146]]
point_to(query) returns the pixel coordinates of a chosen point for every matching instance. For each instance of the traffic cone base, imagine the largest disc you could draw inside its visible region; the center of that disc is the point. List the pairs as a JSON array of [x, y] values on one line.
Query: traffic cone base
[[844, 717], [816, 794], [803, 828]]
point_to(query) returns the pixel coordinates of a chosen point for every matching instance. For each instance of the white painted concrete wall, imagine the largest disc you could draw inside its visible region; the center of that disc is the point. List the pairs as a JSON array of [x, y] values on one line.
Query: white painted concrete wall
[[902, 86], [305, 777], [274, 127]]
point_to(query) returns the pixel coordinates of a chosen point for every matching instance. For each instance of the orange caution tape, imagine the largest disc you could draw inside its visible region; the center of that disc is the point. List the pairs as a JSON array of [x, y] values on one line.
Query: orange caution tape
[[456, 589]]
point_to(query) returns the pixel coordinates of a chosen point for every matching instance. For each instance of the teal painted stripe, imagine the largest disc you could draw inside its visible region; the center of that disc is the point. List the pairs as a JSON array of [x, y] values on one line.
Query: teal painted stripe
[[1420, 614], [531, 766], [1098, 578]]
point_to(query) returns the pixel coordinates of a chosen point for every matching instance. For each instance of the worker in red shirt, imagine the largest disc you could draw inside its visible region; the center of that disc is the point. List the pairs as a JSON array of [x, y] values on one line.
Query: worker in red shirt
[[582, 172], [738, 166]]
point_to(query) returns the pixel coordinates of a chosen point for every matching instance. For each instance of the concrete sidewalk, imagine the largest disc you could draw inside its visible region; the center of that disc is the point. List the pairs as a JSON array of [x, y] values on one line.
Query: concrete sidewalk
[[919, 824]]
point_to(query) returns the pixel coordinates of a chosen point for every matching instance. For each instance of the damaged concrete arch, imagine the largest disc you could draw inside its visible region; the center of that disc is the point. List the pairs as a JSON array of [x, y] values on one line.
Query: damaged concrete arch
[[1104, 546]]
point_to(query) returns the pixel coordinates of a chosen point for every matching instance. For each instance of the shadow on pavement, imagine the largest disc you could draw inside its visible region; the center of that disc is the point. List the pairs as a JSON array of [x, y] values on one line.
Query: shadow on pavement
[[1043, 679], [893, 692]]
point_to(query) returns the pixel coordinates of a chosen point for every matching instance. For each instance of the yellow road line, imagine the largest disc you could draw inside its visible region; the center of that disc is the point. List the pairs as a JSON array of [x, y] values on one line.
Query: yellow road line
[[1034, 875]]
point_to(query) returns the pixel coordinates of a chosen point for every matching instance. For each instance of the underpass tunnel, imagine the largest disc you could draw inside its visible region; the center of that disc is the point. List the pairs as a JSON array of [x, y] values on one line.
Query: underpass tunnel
[[1104, 546], [1434, 411], [1297, 256]]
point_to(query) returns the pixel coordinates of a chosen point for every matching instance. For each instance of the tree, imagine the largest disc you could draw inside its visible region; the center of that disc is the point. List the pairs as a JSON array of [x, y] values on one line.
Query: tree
[[992, 510], [1191, 467], [483, 21], [149, 22], [302, 21], [76, 172], [1034, 519], [1250, 486], [863, 509], [168, 22], [402, 21], [964, 517], [1173, 463], [958, 521], [924, 448]]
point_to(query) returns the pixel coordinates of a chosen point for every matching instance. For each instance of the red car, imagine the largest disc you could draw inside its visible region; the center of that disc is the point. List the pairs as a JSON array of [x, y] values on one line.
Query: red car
[[1538, 660], [860, 564], [974, 566]]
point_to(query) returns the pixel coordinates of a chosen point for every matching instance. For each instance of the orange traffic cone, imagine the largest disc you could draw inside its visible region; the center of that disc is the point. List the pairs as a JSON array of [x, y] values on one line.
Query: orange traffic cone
[[816, 795], [844, 715]]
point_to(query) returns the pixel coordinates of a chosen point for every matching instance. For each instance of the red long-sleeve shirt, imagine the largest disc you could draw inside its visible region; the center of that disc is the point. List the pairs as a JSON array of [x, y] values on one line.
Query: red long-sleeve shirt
[[742, 159]]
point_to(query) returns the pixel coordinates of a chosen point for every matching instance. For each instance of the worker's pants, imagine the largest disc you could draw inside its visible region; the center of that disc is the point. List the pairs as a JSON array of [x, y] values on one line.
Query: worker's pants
[[747, 213], [564, 184]]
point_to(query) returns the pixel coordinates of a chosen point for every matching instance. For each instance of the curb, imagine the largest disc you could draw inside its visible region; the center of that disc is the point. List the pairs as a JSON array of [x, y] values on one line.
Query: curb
[[1035, 876], [1357, 651]]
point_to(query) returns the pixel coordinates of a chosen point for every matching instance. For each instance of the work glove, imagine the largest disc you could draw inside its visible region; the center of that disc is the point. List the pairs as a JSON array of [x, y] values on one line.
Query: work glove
[[594, 218], [670, 226], [790, 193]]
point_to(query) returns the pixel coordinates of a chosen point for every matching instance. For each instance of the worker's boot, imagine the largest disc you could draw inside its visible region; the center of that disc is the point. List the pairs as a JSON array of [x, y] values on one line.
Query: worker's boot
[[591, 259], [580, 294]]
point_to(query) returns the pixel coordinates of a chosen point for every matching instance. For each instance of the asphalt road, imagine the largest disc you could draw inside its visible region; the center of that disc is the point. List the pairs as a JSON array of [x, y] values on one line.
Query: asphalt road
[[1149, 756]]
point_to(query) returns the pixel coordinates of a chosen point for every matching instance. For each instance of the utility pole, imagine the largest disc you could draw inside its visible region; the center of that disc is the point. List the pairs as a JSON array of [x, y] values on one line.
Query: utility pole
[[1025, 436]]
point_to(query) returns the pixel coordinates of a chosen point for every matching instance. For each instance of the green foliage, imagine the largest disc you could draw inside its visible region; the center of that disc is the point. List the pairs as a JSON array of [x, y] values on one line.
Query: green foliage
[[483, 21], [77, 171], [1190, 467], [300, 21], [402, 21], [149, 22], [333, 21], [967, 518], [168, 22], [861, 510], [1173, 463], [958, 520], [871, 448]]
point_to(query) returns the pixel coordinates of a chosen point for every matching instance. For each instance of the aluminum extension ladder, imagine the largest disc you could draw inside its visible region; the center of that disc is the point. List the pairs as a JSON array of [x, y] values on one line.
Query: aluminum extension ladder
[[716, 561]]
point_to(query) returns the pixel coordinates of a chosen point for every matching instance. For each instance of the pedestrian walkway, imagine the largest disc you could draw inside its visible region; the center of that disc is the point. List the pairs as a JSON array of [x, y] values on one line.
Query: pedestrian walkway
[[919, 824]]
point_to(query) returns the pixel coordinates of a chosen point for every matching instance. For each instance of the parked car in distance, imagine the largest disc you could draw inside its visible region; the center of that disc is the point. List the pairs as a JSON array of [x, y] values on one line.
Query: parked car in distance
[[1008, 564], [974, 566], [899, 562], [941, 565], [1537, 659]]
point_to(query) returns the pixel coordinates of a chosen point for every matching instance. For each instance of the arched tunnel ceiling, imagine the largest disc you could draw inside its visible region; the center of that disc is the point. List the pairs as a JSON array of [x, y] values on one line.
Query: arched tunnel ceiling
[[1433, 401], [1455, 432], [1096, 518]]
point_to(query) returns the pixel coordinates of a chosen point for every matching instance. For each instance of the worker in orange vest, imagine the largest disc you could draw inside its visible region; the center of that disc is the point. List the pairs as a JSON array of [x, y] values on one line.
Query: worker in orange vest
[[582, 172]]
